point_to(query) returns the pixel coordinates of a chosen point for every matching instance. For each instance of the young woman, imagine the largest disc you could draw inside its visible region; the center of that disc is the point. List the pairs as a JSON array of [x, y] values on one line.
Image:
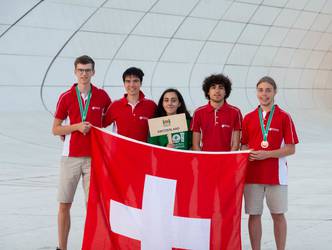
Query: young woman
[[170, 103], [270, 134]]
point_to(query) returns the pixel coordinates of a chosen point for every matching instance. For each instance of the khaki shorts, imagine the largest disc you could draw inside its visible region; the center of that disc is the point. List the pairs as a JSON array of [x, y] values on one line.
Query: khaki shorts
[[276, 198], [71, 169]]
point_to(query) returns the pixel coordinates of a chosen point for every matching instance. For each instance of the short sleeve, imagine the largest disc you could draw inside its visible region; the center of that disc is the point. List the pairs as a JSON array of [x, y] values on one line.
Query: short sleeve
[[107, 103], [290, 136], [61, 111], [244, 135], [238, 121], [109, 119], [195, 124]]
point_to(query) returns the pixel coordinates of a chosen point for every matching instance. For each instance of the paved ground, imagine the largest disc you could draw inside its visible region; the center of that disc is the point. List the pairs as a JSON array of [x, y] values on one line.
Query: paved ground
[[29, 172]]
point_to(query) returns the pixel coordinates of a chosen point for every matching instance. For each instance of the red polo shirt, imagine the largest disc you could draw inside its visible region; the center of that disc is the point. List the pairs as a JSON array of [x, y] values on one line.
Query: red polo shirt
[[282, 131], [131, 121], [216, 126], [76, 144]]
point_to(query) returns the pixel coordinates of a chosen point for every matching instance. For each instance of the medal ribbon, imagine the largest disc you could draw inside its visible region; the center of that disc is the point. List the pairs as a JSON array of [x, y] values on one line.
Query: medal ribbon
[[265, 131], [84, 111]]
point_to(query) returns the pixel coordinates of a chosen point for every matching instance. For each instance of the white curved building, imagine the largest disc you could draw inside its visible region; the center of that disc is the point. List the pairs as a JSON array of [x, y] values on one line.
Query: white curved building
[[177, 43]]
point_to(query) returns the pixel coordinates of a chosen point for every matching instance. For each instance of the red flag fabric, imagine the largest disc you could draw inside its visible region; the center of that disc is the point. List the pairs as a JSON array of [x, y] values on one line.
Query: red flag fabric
[[148, 197]]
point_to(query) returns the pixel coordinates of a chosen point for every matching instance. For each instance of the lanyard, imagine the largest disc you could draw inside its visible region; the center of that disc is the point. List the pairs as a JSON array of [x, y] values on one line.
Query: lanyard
[[84, 111], [265, 131]]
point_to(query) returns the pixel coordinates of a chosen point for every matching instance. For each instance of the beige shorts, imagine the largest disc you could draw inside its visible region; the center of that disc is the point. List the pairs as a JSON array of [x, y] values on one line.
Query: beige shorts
[[71, 170], [276, 198]]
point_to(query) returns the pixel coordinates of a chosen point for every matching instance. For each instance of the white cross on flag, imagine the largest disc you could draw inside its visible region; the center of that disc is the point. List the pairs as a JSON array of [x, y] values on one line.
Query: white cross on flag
[[147, 197]]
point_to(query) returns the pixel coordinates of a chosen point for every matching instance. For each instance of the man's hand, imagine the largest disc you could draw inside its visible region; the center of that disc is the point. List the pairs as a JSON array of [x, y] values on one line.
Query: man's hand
[[287, 149], [259, 155], [84, 127]]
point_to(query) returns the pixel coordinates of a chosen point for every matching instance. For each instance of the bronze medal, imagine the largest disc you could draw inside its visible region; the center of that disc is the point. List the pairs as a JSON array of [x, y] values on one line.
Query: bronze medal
[[264, 144], [265, 130]]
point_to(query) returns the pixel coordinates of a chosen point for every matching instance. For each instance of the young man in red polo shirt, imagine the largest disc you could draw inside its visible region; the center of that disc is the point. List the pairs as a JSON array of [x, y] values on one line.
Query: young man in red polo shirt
[[130, 114], [217, 125], [270, 133], [79, 108]]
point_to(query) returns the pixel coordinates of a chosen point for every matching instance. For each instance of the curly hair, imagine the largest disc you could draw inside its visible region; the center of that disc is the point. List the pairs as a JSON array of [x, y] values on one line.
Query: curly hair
[[217, 79]]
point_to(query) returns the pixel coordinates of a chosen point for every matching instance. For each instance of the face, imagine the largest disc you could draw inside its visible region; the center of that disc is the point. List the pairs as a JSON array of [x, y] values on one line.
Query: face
[[265, 94], [84, 73], [217, 93], [171, 103], [132, 85]]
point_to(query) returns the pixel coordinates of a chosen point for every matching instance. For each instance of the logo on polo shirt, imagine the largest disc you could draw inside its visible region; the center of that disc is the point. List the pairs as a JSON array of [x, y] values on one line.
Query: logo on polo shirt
[[225, 126], [274, 129], [143, 118], [95, 108]]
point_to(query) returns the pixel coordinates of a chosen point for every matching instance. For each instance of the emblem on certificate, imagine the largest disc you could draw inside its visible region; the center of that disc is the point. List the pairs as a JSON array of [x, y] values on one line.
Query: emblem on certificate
[[166, 125]]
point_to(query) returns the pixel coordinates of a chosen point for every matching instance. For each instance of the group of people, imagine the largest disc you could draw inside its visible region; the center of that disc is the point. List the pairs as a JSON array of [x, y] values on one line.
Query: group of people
[[268, 132]]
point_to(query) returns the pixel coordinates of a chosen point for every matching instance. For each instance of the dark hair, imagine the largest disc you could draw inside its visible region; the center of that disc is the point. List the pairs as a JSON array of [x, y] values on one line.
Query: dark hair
[[133, 71], [84, 60], [160, 111], [268, 80], [217, 79]]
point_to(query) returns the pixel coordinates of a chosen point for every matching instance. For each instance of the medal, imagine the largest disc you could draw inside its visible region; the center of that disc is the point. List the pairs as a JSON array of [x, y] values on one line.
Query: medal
[[83, 111], [264, 144], [265, 130]]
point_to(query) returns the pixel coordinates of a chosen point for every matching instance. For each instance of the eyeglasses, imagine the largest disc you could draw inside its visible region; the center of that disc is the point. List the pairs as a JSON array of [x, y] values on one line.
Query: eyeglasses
[[81, 71]]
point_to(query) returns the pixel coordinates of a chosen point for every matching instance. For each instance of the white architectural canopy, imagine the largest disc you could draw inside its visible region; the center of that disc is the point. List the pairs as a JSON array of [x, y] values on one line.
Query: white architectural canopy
[[176, 43]]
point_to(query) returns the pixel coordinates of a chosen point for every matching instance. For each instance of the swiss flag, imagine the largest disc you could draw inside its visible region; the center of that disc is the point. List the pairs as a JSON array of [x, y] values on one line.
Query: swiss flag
[[152, 198]]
